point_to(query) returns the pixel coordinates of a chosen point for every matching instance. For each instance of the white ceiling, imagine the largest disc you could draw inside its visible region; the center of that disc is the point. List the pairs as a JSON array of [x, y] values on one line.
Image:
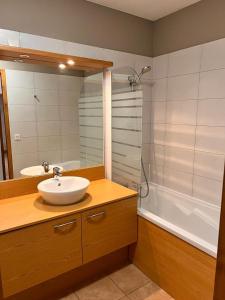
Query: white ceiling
[[148, 9]]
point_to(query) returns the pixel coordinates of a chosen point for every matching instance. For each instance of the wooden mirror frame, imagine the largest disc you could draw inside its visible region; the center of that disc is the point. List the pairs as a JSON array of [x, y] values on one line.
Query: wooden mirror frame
[[48, 59]]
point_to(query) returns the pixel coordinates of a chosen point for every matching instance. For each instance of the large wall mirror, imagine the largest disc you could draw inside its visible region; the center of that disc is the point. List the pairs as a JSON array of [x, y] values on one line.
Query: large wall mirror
[[49, 116]]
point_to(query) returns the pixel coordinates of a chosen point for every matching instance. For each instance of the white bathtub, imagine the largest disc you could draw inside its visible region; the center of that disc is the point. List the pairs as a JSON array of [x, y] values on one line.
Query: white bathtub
[[70, 165], [191, 219]]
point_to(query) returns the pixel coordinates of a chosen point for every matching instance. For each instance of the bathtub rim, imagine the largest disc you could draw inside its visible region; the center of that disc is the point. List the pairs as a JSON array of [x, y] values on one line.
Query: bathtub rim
[[179, 232]]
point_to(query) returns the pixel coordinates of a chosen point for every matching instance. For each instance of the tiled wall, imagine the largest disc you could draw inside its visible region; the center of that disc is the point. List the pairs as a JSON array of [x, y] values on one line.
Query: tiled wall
[[187, 132], [49, 125]]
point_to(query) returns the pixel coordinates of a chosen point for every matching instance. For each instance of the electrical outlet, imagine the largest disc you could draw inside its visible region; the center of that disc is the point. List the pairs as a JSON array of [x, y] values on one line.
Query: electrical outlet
[[17, 137]]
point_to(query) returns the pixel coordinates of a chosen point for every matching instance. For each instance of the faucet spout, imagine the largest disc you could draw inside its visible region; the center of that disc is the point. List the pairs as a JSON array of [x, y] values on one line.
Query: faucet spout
[[45, 165]]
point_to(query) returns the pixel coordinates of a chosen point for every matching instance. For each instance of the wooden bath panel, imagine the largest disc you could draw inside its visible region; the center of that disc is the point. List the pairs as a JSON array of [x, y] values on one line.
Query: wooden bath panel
[[179, 268]]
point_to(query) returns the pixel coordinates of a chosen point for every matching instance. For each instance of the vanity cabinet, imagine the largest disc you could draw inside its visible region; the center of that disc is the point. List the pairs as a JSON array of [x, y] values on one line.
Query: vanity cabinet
[[108, 228], [37, 253], [31, 255]]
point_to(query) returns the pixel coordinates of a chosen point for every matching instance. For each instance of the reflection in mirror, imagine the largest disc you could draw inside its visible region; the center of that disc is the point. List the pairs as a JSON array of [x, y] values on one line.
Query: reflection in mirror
[[48, 118]]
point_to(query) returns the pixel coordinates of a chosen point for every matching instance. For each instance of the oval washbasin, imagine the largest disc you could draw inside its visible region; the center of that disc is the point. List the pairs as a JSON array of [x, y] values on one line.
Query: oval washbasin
[[63, 191], [38, 170]]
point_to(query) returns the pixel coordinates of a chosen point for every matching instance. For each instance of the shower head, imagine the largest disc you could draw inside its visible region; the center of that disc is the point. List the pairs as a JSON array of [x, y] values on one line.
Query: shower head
[[145, 70]]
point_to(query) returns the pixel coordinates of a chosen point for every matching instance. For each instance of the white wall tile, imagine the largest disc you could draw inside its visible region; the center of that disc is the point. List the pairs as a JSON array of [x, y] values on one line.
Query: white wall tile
[[69, 142], [209, 165], [212, 84], [70, 83], [52, 157], [69, 127], [47, 97], [121, 61], [47, 113], [69, 98], [9, 38], [25, 145], [72, 154], [211, 112], [160, 66], [23, 113], [83, 50], [185, 61], [19, 79], [207, 190], [178, 181], [20, 96], [25, 129], [21, 161], [179, 159], [67, 113], [41, 43], [180, 136], [48, 128], [157, 133], [158, 112], [183, 87], [45, 81], [159, 89], [210, 139], [156, 174], [49, 143], [181, 112], [213, 55], [157, 154]]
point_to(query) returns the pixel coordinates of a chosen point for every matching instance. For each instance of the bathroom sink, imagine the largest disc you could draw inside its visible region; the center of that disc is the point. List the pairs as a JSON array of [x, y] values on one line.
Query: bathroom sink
[[63, 190], [38, 170]]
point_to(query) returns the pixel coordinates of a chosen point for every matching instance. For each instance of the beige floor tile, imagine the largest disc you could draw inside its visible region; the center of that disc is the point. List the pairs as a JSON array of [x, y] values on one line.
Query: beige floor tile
[[103, 289], [149, 293], [70, 297], [129, 279], [144, 292]]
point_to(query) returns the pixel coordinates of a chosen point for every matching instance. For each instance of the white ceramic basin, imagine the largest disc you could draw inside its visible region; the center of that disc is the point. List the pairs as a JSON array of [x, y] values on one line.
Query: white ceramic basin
[[65, 190], [38, 170]]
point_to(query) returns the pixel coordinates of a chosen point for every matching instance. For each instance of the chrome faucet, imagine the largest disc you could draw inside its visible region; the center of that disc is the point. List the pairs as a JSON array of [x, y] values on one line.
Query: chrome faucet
[[57, 173], [45, 165]]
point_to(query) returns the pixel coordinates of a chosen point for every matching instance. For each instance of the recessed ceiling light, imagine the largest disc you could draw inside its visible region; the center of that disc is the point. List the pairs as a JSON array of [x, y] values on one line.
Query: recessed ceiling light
[[70, 62], [24, 56], [62, 66]]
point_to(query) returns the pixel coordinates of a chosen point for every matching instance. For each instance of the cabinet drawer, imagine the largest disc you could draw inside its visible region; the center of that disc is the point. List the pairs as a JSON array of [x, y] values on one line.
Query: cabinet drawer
[[109, 228], [37, 253]]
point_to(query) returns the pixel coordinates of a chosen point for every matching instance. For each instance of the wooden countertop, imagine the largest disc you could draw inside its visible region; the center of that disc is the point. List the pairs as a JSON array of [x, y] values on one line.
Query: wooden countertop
[[22, 211]]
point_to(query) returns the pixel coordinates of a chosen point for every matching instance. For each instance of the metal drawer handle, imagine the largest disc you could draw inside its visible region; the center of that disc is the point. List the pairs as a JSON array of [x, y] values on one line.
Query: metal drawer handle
[[91, 217], [60, 226]]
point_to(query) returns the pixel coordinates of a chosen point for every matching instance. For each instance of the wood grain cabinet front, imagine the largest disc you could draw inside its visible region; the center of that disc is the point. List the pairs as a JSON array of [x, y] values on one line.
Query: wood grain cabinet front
[[108, 228], [34, 254]]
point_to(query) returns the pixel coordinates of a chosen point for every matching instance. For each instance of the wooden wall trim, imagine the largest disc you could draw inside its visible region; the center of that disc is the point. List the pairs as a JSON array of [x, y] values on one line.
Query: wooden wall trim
[[52, 59], [24, 186], [219, 289], [7, 124]]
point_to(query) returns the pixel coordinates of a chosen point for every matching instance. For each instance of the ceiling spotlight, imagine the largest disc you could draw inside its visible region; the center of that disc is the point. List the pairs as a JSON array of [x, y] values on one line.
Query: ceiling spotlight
[[71, 62], [62, 66]]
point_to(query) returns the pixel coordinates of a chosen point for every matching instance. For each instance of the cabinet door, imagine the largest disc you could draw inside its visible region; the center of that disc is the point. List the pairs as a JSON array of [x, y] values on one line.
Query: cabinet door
[[108, 228], [31, 255]]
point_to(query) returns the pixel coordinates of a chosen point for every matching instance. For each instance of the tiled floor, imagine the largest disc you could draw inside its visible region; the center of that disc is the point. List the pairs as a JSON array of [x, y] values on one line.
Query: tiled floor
[[129, 283]]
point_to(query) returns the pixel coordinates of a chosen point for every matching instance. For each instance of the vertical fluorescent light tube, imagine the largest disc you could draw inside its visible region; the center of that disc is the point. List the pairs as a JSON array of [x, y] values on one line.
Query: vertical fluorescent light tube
[[107, 122]]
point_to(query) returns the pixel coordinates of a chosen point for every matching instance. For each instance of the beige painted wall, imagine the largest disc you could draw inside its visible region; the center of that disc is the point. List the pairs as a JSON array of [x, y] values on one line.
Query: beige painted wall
[[193, 25], [78, 21]]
